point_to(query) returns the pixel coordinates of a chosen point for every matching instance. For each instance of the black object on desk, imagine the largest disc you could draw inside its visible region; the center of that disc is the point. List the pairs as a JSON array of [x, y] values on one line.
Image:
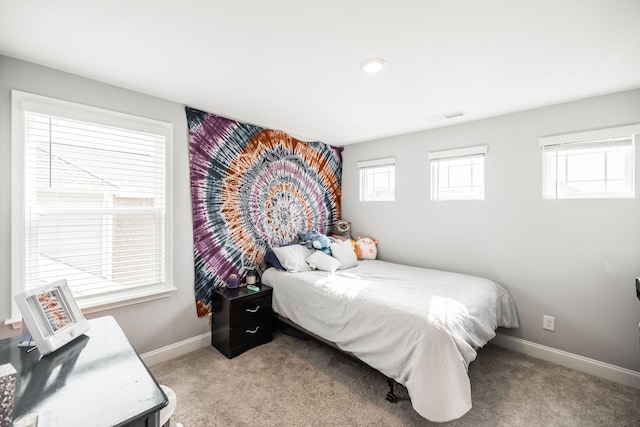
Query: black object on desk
[[242, 319], [96, 380]]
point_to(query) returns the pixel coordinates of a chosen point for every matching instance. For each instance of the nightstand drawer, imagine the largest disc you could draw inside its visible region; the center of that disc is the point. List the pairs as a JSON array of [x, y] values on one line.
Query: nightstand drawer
[[251, 333], [244, 311]]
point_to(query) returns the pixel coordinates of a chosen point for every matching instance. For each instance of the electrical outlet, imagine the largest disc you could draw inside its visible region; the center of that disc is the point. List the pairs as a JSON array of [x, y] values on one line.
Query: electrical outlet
[[548, 323]]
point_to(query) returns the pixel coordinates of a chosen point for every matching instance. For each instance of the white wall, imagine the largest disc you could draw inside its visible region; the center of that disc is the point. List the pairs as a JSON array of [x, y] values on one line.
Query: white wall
[[149, 325], [572, 259]]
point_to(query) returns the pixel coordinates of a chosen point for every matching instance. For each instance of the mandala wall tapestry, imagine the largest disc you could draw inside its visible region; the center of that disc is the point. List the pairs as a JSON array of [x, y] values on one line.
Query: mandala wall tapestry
[[251, 189]]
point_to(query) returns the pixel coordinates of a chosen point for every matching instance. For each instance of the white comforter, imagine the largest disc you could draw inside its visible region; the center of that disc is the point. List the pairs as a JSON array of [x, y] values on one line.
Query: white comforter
[[420, 327]]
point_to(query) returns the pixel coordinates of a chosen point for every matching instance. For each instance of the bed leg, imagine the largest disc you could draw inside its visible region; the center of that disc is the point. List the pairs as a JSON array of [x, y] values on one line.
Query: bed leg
[[391, 397]]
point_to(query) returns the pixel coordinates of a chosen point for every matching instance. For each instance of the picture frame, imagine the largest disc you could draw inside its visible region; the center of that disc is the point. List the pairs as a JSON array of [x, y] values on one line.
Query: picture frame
[[52, 315]]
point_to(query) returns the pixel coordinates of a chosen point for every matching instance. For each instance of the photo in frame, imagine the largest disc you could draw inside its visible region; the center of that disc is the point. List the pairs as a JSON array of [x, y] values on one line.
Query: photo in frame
[[51, 315]]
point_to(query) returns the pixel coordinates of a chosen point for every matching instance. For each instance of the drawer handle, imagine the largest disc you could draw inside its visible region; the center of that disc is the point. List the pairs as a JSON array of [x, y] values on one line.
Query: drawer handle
[[252, 310], [254, 331]]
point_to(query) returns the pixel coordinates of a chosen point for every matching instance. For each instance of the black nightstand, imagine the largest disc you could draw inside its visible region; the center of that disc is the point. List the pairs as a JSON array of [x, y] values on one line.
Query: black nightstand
[[242, 319]]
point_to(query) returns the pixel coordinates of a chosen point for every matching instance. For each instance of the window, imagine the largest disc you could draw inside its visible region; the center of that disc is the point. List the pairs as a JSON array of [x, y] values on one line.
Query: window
[[89, 201], [458, 174], [593, 164], [377, 180]]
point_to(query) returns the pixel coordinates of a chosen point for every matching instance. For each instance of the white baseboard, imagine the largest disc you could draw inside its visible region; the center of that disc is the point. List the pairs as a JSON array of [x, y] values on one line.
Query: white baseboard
[[177, 349], [570, 360]]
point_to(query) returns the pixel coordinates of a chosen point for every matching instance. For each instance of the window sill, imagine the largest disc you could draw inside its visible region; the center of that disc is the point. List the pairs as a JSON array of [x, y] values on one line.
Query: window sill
[[96, 305]]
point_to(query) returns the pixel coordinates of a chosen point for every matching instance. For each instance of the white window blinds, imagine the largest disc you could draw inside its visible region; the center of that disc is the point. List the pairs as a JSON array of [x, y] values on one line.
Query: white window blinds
[[93, 204]]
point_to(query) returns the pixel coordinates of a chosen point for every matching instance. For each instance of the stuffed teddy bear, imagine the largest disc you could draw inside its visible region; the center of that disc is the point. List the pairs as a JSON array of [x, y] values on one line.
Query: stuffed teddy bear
[[316, 240], [342, 229], [366, 247]]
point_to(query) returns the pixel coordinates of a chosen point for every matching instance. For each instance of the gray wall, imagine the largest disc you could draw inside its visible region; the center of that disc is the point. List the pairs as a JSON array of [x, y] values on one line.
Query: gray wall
[[150, 325], [572, 259]]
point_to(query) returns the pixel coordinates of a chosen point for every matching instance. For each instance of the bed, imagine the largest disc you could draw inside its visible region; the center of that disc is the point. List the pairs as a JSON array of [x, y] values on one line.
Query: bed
[[417, 326]]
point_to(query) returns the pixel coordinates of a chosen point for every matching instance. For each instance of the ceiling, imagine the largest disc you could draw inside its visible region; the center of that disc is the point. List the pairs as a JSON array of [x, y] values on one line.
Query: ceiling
[[295, 65]]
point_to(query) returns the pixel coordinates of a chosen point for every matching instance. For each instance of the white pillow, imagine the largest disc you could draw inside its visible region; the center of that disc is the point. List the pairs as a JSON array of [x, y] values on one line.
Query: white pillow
[[293, 257], [343, 252], [325, 262]]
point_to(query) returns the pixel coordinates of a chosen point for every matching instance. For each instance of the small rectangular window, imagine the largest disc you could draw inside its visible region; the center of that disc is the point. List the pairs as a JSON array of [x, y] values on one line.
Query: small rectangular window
[[594, 164], [377, 180], [458, 174]]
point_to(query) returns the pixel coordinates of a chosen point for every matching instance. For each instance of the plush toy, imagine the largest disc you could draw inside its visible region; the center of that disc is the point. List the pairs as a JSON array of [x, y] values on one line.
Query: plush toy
[[316, 240], [342, 229], [366, 247]]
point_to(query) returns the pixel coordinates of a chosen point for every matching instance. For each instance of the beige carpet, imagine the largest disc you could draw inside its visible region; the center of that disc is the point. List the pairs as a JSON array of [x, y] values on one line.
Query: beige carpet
[[290, 382]]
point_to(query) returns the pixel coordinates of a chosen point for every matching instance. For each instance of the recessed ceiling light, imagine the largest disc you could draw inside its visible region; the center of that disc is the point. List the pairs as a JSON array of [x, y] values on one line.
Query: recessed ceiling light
[[373, 65]]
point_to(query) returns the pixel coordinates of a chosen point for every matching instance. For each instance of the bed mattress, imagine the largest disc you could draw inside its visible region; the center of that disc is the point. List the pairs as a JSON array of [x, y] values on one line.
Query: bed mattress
[[418, 326]]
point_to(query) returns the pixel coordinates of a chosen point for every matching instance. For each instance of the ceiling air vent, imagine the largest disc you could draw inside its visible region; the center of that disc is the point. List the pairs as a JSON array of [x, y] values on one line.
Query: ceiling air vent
[[444, 116]]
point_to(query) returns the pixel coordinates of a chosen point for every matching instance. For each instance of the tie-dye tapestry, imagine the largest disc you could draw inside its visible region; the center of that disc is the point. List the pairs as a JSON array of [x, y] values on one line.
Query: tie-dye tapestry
[[251, 189]]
